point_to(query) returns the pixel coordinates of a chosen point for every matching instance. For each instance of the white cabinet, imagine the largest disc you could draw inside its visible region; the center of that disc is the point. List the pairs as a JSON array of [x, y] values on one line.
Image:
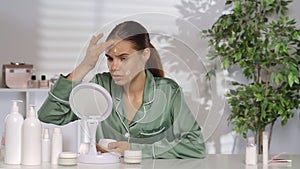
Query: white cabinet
[[37, 97], [29, 96]]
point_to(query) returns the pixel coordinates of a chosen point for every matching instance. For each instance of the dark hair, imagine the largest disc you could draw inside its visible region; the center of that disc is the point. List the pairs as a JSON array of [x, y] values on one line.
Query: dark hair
[[138, 35]]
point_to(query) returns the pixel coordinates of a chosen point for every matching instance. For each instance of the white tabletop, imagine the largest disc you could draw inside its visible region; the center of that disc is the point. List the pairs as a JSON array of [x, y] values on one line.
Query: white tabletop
[[216, 161]]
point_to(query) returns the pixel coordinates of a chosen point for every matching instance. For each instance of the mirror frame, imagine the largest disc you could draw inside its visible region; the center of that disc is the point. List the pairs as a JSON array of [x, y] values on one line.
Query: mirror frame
[[97, 88]]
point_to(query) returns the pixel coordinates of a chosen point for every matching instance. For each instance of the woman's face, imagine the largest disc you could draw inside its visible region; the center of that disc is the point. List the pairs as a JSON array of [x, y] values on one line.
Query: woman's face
[[124, 62]]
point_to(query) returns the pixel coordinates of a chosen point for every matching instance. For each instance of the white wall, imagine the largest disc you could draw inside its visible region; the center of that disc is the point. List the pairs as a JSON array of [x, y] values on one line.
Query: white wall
[[52, 35]]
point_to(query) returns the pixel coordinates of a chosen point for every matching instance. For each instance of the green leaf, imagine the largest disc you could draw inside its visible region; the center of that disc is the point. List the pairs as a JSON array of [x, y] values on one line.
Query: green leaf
[[295, 35], [277, 48], [296, 80], [238, 56], [265, 104], [230, 40], [259, 97], [225, 64], [279, 78], [291, 79]]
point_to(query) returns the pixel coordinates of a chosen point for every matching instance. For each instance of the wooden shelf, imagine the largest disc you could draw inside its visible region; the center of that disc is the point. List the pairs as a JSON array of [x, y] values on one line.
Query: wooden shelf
[[24, 89]]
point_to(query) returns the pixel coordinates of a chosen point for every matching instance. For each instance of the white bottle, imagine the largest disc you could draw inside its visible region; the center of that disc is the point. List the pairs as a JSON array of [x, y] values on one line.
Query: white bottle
[[13, 135], [265, 148], [32, 139], [2, 147], [56, 145], [46, 146], [251, 152]]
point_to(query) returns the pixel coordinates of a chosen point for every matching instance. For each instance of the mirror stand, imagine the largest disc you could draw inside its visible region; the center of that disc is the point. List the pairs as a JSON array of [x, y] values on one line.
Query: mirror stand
[[92, 103], [94, 157]]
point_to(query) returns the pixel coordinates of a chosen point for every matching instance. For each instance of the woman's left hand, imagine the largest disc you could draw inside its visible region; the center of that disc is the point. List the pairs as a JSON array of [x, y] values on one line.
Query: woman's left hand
[[119, 147]]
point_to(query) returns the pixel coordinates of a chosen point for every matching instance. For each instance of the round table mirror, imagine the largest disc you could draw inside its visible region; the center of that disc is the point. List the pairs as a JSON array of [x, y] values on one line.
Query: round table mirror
[[92, 103]]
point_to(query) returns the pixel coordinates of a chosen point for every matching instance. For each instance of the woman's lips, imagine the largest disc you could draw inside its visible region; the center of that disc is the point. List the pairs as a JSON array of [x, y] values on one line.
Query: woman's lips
[[117, 77]]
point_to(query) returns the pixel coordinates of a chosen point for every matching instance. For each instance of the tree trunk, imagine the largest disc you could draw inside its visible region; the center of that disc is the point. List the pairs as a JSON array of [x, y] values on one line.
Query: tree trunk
[[259, 137], [260, 141]]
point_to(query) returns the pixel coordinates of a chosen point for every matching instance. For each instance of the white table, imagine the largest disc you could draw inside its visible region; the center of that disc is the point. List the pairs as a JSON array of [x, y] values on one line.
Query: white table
[[216, 161]]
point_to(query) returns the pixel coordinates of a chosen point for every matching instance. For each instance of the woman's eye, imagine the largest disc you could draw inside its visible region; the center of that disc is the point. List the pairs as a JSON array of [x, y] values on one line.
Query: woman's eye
[[109, 58], [124, 58]]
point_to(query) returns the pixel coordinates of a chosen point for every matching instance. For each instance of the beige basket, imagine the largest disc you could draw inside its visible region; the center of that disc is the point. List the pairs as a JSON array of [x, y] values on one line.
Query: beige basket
[[16, 75]]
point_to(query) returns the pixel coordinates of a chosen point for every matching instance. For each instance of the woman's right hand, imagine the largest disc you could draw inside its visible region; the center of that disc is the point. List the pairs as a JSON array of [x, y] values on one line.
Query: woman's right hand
[[93, 52]]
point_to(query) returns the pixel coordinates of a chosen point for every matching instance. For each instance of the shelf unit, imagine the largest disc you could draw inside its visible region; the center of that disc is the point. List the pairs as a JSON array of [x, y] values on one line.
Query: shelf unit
[[36, 96], [27, 95]]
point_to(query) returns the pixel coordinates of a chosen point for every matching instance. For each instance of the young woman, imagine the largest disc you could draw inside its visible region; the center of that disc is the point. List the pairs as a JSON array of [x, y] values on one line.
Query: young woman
[[149, 111]]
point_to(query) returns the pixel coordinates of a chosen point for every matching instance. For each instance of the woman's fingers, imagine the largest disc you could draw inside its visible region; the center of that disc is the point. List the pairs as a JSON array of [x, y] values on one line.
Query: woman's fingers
[[119, 147], [106, 45], [101, 149], [95, 39], [113, 145]]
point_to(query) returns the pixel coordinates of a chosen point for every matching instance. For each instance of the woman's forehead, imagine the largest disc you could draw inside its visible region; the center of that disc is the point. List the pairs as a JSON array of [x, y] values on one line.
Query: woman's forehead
[[121, 47]]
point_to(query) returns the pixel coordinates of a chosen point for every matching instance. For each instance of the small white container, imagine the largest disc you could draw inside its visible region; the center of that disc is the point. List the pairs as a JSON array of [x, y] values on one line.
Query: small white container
[[265, 148], [251, 152], [57, 143], [67, 159], [46, 146], [133, 156], [105, 142]]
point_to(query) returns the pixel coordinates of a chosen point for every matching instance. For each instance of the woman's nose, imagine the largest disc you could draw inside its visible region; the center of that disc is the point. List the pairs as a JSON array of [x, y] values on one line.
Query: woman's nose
[[115, 64]]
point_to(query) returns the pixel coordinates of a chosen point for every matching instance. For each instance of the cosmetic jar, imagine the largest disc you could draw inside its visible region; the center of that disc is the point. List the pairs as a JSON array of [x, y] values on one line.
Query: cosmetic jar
[[105, 142], [133, 156], [33, 83], [67, 159], [43, 82]]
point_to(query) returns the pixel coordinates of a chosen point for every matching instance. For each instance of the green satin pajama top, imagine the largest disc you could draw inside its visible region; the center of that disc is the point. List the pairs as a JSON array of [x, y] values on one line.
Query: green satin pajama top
[[163, 127]]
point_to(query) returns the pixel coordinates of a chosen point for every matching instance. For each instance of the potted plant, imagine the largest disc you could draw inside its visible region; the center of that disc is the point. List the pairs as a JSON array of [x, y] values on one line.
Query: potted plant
[[260, 39]]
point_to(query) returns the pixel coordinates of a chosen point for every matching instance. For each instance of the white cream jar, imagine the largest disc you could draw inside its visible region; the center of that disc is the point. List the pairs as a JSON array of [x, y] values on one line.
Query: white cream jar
[[133, 156], [67, 159]]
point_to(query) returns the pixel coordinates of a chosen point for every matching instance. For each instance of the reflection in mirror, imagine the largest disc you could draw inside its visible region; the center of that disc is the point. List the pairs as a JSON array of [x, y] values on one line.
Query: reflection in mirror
[[90, 101]]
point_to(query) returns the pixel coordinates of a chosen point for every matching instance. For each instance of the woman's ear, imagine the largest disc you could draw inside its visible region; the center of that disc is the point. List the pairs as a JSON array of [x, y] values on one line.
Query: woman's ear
[[146, 54]]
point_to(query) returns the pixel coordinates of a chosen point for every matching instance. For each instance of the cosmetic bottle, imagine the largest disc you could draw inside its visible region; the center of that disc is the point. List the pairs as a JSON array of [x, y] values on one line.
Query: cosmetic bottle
[[43, 83], [265, 148], [251, 152], [57, 142], [2, 148], [13, 135], [46, 146], [32, 139], [33, 83]]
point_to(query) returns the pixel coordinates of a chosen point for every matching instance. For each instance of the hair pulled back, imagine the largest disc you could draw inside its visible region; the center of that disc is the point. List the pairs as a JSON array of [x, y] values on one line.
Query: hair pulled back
[[139, 37]]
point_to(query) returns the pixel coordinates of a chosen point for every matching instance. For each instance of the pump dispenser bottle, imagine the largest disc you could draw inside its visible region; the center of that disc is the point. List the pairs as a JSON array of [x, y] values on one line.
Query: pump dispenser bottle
[[32, 139], [13, 135]]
